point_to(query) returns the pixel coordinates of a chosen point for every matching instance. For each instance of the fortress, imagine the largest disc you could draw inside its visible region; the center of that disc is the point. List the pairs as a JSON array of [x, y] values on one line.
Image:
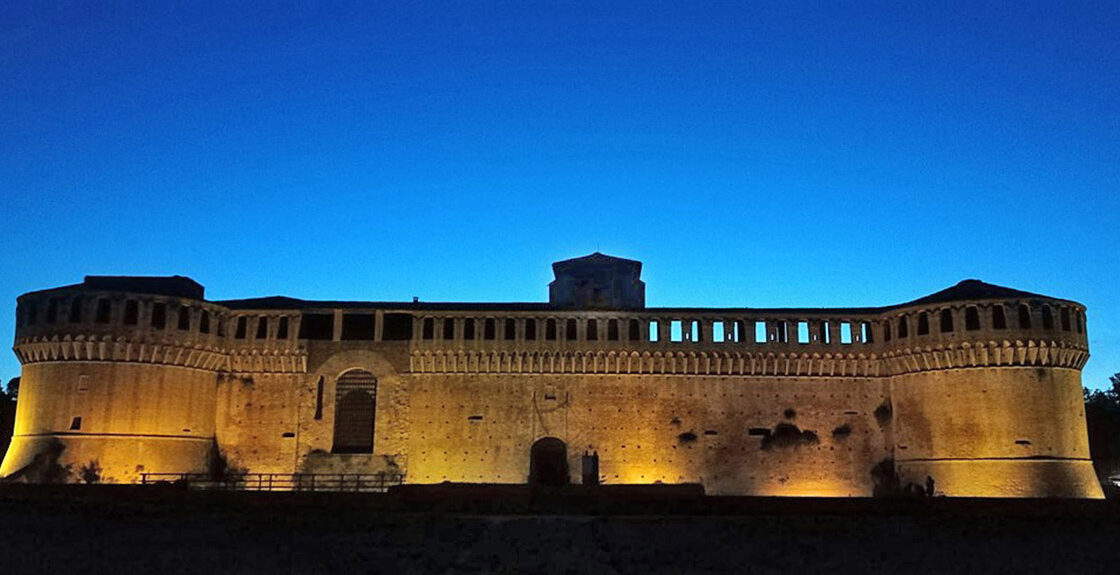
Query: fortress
[[976, 387]]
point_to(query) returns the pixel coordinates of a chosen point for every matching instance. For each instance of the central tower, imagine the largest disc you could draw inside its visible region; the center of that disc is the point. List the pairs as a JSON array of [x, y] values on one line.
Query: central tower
[[597, 281]]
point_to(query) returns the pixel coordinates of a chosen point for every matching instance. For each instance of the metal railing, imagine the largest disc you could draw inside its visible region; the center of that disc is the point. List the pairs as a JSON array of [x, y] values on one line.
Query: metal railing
[[352, 482]]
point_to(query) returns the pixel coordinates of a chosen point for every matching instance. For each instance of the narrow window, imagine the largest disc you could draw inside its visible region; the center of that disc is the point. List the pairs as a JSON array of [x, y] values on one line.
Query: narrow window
[[694, 331], [76, 310], [826, 332], [971, 318], [318, 326], [76, 424], [865, 332], [319, 399], [262, 327], [1078, 316], [886, 331], [358, 326], [103, 309], [923, 323], [281, 328], [738, 331], [468, 328], [131, 312], [159, 315], [946, 321], [802, 332], [184, 318], [531, 329], [592, 330], [550, 329], [612, 329], [242, 327], [52, 310], [428, 328], [760, 332], [903, 327], [675, 330], [488, 328], [783, 331], [448, 328], [999, 317], [1047, 317], [571, 333], [1064, 315], [398, 327], [654, 329], [204, 322], [635, 330], [1024, 316], [845, 332], [717, 332], [511, 329]]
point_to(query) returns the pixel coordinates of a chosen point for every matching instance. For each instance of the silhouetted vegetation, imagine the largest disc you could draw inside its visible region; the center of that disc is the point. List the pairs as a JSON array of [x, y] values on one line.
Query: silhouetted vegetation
[[1102, 418], [8, 414], [90, 473], [220, 467]]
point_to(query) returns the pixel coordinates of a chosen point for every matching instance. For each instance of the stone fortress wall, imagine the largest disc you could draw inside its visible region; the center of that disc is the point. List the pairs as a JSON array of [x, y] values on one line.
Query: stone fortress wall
[[977, 387]]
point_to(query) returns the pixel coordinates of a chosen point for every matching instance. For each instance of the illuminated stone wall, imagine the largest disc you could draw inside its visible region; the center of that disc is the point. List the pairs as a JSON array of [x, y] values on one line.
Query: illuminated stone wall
[[125, 418], [649, 429], [1010, 432]]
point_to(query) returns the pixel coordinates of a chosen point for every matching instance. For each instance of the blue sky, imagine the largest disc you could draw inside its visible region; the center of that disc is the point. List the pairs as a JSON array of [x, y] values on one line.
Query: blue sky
[[771, 155]]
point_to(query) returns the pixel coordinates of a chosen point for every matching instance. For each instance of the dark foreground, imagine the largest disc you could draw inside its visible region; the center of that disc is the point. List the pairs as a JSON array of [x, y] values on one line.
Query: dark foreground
[[166, 530]]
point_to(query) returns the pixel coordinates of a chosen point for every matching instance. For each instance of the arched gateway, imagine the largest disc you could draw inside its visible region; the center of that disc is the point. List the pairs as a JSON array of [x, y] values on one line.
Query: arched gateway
[[548, 462]]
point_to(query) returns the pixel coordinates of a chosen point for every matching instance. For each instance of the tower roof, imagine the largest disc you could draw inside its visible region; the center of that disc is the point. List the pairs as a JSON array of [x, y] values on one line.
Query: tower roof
[[595, 258], [973, 289]]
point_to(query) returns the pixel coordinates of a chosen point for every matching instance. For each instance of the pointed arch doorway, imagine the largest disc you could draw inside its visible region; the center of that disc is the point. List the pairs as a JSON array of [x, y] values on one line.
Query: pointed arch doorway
[[548, 462]]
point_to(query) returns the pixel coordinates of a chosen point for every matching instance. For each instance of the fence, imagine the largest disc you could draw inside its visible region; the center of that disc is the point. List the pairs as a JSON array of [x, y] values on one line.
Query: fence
[[353, 482]]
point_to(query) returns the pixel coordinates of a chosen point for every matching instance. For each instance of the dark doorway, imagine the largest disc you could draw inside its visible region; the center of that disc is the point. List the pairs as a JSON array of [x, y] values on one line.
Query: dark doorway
[[354, 411], [548, 462]]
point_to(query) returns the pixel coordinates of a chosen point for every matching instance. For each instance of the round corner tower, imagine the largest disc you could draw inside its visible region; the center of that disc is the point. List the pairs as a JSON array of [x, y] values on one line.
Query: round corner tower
[[986, 393], [119, 377]]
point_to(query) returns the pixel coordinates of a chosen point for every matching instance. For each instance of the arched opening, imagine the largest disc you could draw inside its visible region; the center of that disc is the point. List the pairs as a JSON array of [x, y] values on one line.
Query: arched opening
[[355, 406], [971, 318], [946, 321], [548, 462], [923, 323]]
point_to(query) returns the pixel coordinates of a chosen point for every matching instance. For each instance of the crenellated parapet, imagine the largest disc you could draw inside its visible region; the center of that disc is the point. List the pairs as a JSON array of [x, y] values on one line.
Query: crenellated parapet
[[81, 347], [623, 362], [1054, 353], [86, 322]]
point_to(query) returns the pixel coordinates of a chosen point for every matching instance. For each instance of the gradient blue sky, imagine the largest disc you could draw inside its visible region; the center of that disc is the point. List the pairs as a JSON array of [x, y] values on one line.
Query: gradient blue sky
[[774, 155]]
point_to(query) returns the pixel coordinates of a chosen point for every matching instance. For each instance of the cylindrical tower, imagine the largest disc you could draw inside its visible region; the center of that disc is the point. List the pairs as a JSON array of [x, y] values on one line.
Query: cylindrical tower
[[986, 394], [119, 377]]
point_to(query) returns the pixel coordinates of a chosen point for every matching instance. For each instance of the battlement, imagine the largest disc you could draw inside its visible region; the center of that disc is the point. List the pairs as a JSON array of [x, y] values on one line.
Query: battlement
[[970, 324]]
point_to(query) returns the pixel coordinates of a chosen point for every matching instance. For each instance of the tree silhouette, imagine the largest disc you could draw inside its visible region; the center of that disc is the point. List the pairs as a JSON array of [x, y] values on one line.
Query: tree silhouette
[[1102, 418]]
